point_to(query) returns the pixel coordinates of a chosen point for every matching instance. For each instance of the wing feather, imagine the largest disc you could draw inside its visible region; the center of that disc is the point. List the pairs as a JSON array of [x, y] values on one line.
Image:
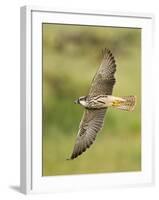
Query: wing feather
[[90, 125], [104, 79]]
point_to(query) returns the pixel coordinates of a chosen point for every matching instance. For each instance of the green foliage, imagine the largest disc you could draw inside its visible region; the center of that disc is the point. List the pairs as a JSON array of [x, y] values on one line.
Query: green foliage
[[71, 56]]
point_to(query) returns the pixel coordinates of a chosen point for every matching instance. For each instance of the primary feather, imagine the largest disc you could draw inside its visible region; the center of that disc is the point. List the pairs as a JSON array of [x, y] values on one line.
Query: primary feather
[[104, 79], [91, 123]]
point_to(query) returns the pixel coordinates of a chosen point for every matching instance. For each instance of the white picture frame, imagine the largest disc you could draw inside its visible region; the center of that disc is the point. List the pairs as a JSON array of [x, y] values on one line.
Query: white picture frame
[[31, 101]]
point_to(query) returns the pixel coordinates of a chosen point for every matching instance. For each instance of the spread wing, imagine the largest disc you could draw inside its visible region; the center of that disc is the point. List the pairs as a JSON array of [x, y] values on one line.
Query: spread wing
[[104, 80], [90, 125], [92, 120]]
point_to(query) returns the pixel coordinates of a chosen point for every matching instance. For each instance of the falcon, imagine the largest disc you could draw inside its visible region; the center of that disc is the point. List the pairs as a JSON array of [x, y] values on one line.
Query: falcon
[[96, 103]]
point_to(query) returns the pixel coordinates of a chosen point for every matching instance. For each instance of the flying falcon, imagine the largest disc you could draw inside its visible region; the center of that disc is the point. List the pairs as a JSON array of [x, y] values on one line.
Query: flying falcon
[[96, 103]]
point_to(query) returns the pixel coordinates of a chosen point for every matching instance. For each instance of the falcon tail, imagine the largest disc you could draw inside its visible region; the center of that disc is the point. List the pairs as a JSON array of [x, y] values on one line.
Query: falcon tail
[[127, 104]]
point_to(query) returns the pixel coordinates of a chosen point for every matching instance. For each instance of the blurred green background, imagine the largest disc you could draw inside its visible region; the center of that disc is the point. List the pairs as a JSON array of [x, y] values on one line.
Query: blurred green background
[[71, 57]]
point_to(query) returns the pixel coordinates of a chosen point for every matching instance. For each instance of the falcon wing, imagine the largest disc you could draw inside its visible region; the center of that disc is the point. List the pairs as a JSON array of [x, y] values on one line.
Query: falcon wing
[[104, 80], [90, 125], [92, 120]]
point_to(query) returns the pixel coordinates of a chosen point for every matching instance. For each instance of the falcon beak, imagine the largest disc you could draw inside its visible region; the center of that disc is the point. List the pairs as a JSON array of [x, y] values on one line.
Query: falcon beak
[[76, 101]]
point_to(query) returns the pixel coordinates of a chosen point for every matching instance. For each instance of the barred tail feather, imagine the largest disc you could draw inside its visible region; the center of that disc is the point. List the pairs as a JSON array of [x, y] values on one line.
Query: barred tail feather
[[128, 104]]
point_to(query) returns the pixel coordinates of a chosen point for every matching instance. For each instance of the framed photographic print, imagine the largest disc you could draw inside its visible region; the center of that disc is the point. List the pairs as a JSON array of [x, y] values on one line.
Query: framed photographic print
[[86, 84]]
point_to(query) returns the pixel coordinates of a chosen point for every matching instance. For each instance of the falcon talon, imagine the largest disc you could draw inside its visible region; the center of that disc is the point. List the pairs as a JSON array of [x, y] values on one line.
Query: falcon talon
[[116, 103]]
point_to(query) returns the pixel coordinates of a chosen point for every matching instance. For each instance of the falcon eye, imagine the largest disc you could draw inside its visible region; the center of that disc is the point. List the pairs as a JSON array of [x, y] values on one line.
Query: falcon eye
[[82, 98], [85, 98]]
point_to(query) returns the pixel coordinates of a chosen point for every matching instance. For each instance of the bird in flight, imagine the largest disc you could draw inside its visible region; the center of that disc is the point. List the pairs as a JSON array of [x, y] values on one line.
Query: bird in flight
[[96, 103]]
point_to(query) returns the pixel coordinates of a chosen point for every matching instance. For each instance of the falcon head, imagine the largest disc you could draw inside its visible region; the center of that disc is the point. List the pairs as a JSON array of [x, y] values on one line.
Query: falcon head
[[81, 100]]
